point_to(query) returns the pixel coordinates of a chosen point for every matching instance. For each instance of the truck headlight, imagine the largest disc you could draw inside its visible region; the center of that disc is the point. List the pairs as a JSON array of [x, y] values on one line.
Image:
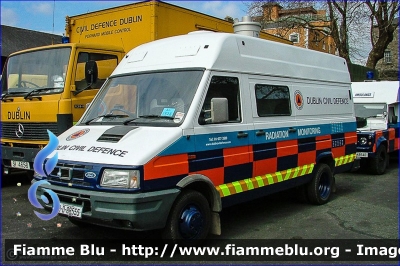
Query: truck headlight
[[363, 140], [120, 178]]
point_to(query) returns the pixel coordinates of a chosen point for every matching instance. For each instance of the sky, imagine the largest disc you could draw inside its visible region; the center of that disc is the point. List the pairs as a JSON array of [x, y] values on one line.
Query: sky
[[49, 16]]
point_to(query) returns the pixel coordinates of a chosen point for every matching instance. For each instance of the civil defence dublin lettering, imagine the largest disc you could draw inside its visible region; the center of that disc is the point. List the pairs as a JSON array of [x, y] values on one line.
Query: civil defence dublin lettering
[[325, 100], [108, 26], [104, 150]]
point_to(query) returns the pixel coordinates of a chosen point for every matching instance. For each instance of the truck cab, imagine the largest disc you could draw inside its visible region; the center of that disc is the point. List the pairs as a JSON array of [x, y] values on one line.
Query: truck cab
[[48, 88], [376, 106]]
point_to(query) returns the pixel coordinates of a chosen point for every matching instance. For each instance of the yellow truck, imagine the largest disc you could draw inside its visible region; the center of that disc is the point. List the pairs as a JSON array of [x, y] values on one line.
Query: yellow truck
[[48, 88]]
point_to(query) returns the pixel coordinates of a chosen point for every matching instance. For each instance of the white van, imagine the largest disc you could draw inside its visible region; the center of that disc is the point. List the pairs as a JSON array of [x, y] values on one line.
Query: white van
[[377, 110], [190, 124]]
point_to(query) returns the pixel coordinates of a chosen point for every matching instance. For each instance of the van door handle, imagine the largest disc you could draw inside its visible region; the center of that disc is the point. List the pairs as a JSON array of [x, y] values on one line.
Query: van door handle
[[242, 135], [260, 133], [292, 130]]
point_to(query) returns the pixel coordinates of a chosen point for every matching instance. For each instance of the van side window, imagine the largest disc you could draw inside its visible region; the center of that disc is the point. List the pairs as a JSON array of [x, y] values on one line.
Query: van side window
[[222, 87], [106, 63], [272, 100]]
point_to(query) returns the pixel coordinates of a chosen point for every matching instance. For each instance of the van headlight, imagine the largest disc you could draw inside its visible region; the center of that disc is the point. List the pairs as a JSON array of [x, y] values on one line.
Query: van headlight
[[120, 178]]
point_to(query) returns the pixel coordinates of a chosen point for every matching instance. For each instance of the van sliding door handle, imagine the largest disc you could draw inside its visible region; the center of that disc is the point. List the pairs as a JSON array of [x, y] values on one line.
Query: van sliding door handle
[[242, 135], [292, 130], [260, 133]]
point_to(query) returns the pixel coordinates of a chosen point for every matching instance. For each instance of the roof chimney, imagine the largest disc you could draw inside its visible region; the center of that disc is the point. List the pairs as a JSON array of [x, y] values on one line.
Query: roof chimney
[[247, 27]]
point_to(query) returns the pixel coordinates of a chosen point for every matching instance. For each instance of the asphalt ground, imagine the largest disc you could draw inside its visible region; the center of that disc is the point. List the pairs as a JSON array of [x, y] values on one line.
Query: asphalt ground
[[364, 207]]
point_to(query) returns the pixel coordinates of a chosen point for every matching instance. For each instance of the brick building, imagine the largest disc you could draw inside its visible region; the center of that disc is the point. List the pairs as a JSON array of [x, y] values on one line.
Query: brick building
[[284, 23], [388, 66]]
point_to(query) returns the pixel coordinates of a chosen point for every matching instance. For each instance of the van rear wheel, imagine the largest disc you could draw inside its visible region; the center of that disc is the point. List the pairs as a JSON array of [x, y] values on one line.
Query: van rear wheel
[[189, 220], [320, 188]]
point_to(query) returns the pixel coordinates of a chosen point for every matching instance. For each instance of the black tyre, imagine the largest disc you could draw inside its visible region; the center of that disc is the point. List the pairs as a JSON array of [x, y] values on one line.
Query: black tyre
[[379, 163], [320, 188], [189, 220]]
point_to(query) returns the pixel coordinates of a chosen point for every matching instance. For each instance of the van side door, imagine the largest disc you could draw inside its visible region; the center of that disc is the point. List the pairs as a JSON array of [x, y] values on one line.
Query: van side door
[[222, 148], [275, 147]]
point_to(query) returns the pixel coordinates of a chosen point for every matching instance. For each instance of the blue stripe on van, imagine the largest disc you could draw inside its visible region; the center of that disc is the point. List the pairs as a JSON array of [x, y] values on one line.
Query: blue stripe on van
[[212, 141]]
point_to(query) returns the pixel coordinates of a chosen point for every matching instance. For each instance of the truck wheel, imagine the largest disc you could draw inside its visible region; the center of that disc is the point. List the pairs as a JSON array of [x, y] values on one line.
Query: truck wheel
[[189, 220], [320, 188], [379, 163]]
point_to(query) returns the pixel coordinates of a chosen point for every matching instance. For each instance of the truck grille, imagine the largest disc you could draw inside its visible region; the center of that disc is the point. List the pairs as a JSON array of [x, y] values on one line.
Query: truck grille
[[31, 131]]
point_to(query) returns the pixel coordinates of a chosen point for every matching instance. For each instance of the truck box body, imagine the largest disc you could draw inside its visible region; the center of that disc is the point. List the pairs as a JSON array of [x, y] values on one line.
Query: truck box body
[[377, 111], [102, 36], [190, 124]]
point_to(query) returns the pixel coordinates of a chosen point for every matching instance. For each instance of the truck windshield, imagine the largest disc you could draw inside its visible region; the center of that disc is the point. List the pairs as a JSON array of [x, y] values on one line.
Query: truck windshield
[[36, 72], [156, 99], [367, 110]]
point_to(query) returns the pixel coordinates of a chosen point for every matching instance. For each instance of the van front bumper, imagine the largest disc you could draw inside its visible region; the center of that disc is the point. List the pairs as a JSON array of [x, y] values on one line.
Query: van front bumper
[[138, 211]]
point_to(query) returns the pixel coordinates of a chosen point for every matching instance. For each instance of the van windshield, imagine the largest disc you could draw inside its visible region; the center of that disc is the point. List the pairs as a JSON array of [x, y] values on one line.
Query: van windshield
[[155, 99], [367, 110]]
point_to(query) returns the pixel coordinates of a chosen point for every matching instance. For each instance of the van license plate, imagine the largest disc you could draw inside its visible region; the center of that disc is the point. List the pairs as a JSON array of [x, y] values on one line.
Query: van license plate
[[20, 165], [70, 210], [362, 154]]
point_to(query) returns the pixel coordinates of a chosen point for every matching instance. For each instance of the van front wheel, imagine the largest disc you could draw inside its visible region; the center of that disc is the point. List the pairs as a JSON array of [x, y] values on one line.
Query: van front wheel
[[320, 188], [189, 220]]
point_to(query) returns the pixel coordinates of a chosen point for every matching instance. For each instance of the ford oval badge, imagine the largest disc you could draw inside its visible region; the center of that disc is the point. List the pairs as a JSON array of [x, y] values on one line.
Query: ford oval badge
[[90, 175]]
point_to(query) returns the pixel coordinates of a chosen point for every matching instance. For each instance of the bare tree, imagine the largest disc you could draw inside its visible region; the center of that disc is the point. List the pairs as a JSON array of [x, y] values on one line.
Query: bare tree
[[350, 23], [382, 17]]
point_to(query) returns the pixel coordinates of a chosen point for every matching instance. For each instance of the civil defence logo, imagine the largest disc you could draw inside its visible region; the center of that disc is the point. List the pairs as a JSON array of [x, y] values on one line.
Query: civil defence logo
[[43, 168]]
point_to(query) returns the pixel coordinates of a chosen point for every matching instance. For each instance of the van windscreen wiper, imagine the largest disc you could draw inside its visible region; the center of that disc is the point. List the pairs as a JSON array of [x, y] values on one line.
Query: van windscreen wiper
[[106, 116]]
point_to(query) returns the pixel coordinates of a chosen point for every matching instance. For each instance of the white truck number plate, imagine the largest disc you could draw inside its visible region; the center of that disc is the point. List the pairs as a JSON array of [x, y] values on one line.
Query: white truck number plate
[[70, 210], [20, 164], [362, 154]]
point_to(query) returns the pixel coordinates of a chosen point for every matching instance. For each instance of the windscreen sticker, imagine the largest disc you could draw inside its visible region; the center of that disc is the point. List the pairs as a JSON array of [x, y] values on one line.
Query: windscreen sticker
[[169, 112], [178, 117]]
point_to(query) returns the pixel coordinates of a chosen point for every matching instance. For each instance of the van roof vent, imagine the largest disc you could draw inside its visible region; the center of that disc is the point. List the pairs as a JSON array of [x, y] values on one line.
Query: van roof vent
[[115, 134], [247, 27]]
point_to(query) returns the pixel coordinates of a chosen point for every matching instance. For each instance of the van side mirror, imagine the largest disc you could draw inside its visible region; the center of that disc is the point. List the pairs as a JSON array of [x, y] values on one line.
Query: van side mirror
[[91, 72], [91, 75], [218, 112]]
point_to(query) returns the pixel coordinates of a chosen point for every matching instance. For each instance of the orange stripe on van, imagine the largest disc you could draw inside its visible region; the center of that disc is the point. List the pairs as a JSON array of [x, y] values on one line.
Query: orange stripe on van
[[265, 166], [350, 138], [306, 157], [165, 166], [237, 155], [288, 147]]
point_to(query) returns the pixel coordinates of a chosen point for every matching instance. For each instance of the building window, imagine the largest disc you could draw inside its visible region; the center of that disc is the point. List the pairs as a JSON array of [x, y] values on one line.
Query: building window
[[294, 37], [387, 57]]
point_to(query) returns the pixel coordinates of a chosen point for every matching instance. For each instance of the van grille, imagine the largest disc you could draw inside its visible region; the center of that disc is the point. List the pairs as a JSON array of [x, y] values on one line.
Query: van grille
[[31, 131]]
